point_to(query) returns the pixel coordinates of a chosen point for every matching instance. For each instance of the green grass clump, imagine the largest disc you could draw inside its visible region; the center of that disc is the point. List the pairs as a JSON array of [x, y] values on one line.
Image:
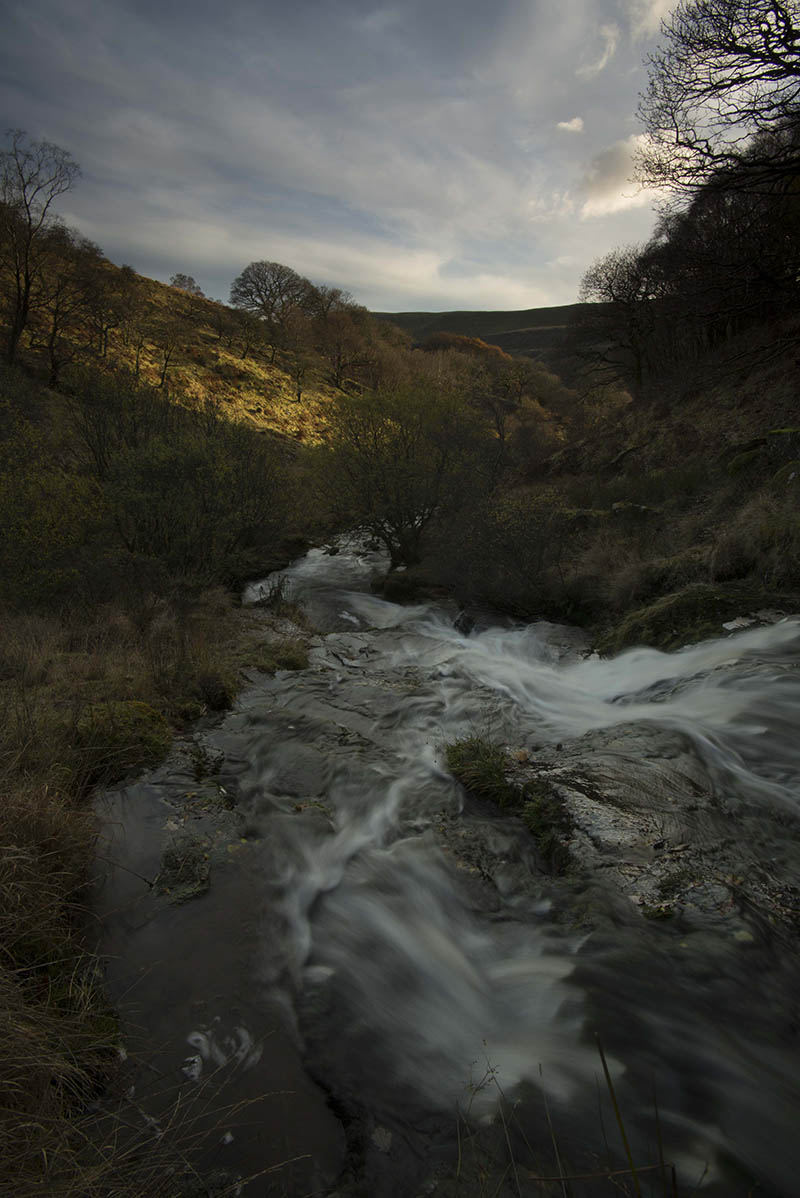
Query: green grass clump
[[482, 767]]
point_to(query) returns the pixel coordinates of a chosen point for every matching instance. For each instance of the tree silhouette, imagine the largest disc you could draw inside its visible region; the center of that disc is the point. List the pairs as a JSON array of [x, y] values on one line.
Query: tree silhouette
[[33, 174], [723, 99]]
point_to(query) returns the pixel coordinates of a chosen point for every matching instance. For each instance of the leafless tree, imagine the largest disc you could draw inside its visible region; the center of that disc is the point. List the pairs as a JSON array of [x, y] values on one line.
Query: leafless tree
[[186, 283], [618, 331], [33, 174], [722, 105]]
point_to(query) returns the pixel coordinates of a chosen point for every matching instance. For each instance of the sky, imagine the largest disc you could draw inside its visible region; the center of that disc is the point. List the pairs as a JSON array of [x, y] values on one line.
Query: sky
[[423, 155]]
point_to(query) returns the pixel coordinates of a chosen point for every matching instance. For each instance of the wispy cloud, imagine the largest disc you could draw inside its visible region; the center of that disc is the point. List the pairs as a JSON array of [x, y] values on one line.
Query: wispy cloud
[[646, 16], [610, 38], [418, 155]]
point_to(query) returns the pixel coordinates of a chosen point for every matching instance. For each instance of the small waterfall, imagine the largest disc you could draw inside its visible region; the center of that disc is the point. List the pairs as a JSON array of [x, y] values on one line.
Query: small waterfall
[[425, 961]]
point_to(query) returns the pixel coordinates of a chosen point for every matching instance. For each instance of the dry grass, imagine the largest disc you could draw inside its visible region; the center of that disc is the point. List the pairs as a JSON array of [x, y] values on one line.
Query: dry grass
[[761, 541]]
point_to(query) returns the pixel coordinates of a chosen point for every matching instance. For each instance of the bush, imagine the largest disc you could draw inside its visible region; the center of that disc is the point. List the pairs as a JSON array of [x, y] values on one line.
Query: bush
[[481, 767], [204, 504], [48, 514]]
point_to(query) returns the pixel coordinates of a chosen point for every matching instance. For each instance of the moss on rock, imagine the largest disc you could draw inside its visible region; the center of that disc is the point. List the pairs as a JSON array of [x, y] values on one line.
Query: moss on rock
[[690, 614]]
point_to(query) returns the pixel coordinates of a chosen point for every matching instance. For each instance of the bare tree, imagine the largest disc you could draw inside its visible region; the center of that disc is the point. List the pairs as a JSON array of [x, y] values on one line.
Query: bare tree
[[619, 329], [723, 98], [33, 174], [70, 287]]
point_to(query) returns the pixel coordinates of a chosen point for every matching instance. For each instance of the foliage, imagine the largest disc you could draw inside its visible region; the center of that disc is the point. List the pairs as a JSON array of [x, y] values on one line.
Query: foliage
[[762, 541], [481, 766], [200, 503], [398, 458], [121, 736], [48, 514]]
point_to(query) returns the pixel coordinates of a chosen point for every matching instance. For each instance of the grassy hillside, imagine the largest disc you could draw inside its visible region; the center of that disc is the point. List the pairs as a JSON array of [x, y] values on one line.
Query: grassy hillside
[[211, 362], [532, 332]]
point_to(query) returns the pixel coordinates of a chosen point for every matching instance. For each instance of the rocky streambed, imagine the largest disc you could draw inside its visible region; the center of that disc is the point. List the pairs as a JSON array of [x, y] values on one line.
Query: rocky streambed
[[340, 973]]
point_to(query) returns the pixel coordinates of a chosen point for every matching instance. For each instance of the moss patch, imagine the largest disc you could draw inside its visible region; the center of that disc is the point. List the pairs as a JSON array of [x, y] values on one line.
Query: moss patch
[[548, 820], [185, 870], [691, 614], [120, 736]]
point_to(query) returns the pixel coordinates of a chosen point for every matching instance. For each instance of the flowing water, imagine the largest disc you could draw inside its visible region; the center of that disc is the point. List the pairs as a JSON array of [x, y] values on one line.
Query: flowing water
[[425, 980]]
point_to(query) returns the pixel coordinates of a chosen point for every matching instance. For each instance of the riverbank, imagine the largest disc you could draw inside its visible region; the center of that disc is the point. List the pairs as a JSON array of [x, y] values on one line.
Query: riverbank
[[84, 702]]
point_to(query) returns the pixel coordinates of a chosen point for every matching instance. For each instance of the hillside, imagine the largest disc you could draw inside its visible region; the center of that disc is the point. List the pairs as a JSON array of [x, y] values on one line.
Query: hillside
[[531, 332]]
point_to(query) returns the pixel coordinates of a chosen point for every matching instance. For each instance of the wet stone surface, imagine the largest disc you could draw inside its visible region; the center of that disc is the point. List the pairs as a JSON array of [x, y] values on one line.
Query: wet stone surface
[[365, 958]]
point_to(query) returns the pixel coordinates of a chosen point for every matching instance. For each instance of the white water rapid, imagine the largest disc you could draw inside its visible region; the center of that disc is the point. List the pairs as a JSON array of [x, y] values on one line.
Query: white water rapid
[[415, 944]]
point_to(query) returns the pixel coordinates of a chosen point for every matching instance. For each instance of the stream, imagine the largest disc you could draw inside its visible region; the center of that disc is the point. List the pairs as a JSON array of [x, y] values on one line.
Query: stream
[[352, 977]]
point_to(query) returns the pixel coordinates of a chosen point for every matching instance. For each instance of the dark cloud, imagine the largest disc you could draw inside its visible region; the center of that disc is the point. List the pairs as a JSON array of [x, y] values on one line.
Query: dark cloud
[[371, 145]]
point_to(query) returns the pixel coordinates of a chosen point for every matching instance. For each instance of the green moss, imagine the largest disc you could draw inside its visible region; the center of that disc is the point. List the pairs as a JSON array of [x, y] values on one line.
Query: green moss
[[185, 870], [657, 911], [743, 463], [691, 614], [119, 736], [548, 820]]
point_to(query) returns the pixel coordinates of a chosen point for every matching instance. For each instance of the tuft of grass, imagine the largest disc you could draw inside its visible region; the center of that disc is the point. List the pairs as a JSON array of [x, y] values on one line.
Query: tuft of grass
[[120, 736], [482, 767], [546, 817]]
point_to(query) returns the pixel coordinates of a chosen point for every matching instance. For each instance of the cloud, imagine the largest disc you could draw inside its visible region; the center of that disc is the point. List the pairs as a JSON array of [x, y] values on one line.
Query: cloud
[[646, 16], [416, 155], [610, 36], [607, 184]]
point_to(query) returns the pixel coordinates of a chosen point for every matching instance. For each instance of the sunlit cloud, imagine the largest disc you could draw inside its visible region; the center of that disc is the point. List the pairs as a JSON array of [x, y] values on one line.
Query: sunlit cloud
[[608, 185], [419, 156]]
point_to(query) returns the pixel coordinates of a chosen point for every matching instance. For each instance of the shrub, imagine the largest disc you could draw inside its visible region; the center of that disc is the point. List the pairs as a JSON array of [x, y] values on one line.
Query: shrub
[[48, 514], [481, 767]]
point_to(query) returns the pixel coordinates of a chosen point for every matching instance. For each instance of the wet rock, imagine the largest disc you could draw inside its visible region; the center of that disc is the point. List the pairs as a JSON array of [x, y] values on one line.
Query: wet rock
[[185, 869]]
